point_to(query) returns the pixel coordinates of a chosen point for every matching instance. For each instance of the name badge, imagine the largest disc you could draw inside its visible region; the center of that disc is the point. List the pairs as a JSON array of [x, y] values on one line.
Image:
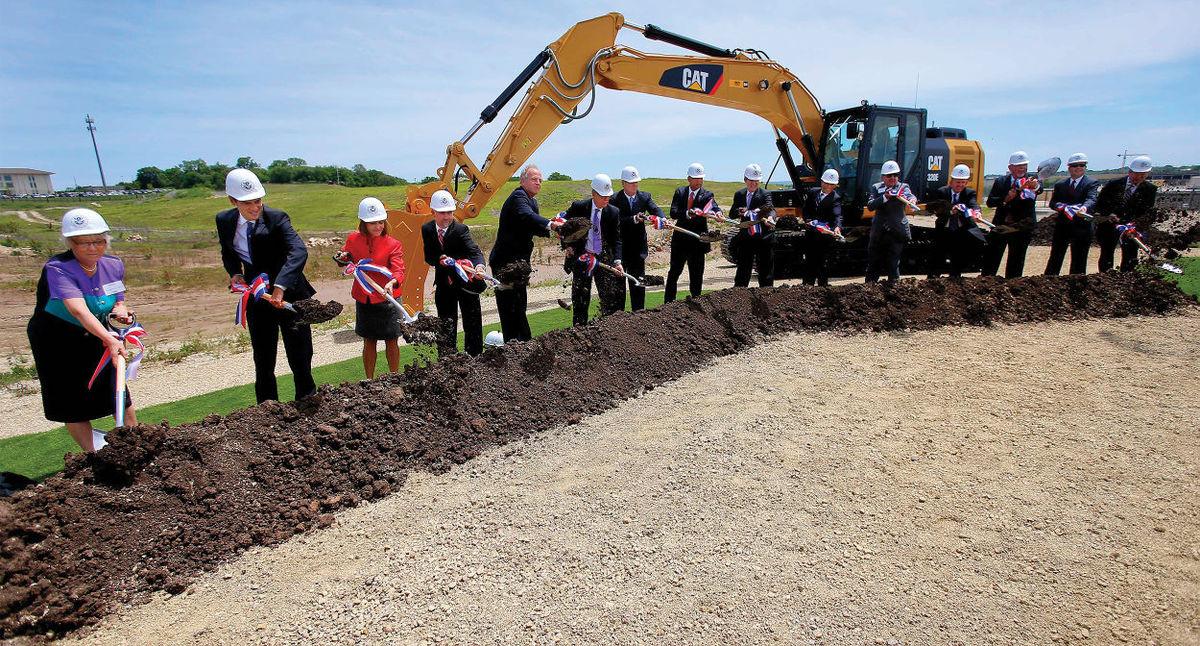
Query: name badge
[[115, 287]]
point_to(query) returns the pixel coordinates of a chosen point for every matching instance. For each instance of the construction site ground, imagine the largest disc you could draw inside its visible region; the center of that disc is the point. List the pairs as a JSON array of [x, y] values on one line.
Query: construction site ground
[[1017, 484]]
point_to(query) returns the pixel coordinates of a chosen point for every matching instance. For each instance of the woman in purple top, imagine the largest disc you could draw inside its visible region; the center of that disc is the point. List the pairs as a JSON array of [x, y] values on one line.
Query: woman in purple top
[[77, 292]]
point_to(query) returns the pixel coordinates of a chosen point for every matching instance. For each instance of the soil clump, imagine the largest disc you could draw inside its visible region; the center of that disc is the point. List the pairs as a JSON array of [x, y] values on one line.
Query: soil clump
[[311, 311], [160, 504]]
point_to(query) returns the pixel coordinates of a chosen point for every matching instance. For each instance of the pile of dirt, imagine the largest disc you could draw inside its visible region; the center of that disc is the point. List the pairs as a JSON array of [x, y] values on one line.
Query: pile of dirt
[[161, 504], [313, 311], [515, 273], [1164, 229]]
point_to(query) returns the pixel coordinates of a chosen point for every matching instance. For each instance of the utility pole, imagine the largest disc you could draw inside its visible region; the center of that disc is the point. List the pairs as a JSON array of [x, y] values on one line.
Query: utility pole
[[91, 126], [1126, 155]]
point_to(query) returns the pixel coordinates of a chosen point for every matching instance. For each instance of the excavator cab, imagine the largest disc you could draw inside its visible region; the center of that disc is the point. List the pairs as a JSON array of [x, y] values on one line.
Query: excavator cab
[[857, 142]]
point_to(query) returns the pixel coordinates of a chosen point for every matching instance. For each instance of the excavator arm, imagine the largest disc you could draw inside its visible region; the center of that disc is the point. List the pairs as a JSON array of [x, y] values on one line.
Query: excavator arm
[[570, 69]]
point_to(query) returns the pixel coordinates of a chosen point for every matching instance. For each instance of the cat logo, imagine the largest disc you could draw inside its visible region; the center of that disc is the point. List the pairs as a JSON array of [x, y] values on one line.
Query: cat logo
[[704, 79], [935, 162]]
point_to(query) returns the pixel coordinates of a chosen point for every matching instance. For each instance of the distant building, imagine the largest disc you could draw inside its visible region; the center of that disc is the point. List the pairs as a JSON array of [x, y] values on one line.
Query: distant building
[[25, 181]]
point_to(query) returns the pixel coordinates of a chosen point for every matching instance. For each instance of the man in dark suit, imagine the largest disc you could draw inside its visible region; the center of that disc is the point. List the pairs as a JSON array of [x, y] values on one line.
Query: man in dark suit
[[821, 204], [686, 209], [255, 239], [1014, 197], [633, 205], [603, 241], [1073, 227], [753, 244], [445, 237], [519, 222], [890, 229], [959, 237], [1122, 200]]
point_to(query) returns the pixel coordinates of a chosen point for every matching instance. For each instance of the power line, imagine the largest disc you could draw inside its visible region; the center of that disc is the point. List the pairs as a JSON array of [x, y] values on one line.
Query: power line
[[91, 126]]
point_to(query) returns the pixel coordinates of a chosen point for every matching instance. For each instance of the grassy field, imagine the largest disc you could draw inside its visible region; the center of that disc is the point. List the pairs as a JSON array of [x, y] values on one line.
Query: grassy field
[[39, 455], [314, 208]]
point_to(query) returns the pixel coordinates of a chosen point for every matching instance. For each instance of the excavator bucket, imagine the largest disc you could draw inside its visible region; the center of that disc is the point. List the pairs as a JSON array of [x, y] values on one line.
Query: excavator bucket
[[405, 226]]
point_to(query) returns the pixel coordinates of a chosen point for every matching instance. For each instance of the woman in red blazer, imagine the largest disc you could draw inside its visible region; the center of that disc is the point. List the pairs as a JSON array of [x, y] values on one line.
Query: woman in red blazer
[[375, 318]]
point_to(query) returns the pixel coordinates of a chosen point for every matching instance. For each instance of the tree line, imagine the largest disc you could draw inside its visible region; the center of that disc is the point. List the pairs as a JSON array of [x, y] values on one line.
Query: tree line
[[293, 170]]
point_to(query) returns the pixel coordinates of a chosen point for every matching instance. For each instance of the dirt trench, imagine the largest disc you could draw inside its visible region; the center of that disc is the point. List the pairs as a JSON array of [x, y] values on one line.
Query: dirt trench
[[162, 504]]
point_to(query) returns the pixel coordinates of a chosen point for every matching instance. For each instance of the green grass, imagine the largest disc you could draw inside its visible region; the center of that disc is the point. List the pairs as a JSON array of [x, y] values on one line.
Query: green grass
[[1189, 280], [40, 455]]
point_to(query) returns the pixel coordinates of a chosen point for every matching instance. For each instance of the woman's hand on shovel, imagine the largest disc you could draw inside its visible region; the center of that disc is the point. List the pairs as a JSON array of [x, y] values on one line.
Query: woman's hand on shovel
[[390, 286], [115, 346]]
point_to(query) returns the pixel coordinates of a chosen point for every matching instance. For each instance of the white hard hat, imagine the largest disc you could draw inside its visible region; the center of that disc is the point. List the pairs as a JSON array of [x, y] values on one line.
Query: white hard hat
[[1140, 164], [753, 173], [243, 185], [370, 209], [494, 339], [82, 222], [696, 170], [602, 184], [890, 168], [1018, 158], [830, 176], [442, 201], [1077, 158], [630, 174], [961, 171]]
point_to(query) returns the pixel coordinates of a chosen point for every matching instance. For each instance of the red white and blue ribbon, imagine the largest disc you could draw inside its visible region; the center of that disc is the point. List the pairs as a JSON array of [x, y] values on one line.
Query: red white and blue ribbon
[[1072, 211], [254, 290], [658, 222], [967, 213], [588, 261], [903, 192], [459, 268], [1026, 193], [132, 334], [359, 271], [823, 227], [1129, 229], [559, 219], [752, 216]]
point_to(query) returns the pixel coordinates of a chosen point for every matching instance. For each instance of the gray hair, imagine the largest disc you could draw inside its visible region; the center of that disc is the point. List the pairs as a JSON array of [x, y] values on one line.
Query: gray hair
[[528, 169], [66, 241]]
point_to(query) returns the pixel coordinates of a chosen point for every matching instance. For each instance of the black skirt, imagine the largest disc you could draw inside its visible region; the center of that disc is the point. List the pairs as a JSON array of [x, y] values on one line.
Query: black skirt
[[65, 355], [378, 321]]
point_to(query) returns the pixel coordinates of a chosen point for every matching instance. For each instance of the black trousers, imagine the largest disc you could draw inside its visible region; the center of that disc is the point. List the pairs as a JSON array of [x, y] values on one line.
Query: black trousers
[[1107, 236], [1017, 244], [610, 287], [1078, 238], [751, 249], [816, 257], [883, 254], [960, 246], [691, 255], [449, 299], [512, 304], [939, 254], [266, 324]]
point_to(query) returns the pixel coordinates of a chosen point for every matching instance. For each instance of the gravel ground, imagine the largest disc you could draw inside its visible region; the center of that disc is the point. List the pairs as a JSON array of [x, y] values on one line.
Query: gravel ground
[[1017, 485]]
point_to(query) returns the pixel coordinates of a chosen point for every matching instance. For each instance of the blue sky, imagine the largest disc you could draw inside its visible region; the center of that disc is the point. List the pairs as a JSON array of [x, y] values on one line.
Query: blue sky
[[390, 84]]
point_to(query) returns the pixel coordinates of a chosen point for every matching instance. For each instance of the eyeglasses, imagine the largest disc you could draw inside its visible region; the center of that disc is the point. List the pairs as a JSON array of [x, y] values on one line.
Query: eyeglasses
[[1076, 165], [89, 243]]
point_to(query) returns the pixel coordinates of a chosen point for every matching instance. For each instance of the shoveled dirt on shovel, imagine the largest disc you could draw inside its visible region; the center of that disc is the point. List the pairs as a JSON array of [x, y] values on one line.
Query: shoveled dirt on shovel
[[162, 504]]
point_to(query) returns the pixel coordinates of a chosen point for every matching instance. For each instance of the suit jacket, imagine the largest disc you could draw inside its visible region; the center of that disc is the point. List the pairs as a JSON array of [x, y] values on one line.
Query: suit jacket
[[1085, 194], [633, 233], [738, 209], [890, 215], [966, 197], [611, 246], [1111, 200], [519, 222], [1019, 212], [680, 215], [275, 248], [457, 244], [829, 210]]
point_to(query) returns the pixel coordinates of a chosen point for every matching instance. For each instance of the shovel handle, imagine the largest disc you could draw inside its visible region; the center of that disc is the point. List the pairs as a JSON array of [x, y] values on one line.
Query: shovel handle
[[408, 318], [119, 390], [618, 272]]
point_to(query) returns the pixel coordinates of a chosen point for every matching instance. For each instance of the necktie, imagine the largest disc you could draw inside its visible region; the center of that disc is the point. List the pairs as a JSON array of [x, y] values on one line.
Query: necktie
[[1074, 184], [1129, 189], [251, 227], [594, 236], [691, 198], [441, 236]]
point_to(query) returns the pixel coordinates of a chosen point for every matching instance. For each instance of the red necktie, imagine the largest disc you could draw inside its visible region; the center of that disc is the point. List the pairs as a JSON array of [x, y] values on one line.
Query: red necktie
[[441, 237], [691, 195]]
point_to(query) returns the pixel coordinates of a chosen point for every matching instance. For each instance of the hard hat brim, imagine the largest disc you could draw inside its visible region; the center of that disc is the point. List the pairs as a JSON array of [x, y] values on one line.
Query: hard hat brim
[[373, 218], [252, 195], [87, 232]]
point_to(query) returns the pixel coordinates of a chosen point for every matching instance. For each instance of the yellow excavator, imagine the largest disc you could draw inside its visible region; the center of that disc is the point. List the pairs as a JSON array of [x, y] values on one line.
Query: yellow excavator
[[855, 141]]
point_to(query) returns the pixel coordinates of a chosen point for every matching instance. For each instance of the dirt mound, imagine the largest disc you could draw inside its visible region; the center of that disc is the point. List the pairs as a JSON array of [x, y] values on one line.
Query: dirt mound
[[162, 504], [1164, 229]]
